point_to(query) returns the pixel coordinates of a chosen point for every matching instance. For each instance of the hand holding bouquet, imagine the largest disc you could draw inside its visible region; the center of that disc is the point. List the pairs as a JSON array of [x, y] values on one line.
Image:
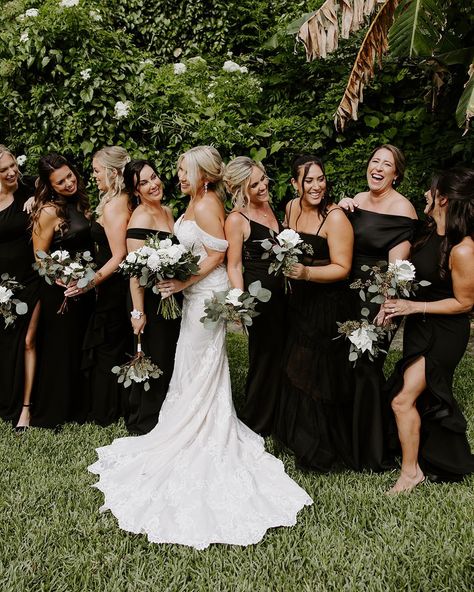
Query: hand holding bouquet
[[364, 336], [10, 307], [139, 369], [234, 306], [60, 266]]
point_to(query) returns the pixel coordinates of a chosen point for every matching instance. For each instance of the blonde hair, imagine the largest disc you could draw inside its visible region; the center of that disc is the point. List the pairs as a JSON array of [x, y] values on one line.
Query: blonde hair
[[204, 162], [237, 179], [113, 159], [5, 150]]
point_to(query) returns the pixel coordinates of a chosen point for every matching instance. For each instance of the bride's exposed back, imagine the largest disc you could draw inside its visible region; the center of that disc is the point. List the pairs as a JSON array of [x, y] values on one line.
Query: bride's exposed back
[[201, 476]]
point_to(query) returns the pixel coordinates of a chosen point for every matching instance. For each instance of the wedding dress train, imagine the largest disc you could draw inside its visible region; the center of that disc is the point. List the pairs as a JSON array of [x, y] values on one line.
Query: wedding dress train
[[200, 476]]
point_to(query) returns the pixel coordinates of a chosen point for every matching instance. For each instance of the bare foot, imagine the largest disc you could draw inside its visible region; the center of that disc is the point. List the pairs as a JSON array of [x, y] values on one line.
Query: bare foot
[[24, 420], [405, 483]]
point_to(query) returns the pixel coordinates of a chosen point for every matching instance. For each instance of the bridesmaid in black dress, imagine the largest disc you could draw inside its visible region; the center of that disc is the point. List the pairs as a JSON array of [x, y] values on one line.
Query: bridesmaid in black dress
[[431, 427], [158, 335], [314, 416], [108, 336], [383, 222], [253, 220], [60, 221], [17, 342]]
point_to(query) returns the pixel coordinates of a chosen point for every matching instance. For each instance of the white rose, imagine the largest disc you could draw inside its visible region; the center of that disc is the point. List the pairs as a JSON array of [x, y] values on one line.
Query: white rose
[[69, 3], [60, 255], [230, 66], [165, 243], [146, 251], [289, 238], [75, 265], [360, 338], [154, 262], [179, 68], [131, 257], [5, 294], [121, 109], [403, 270], [86, 74], [24, 37], [20, 160], [175, 252], [31, 12], [233, 297]]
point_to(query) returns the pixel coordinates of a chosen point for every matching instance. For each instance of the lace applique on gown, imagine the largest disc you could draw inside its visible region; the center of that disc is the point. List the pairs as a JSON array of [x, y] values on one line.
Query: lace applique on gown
[[201, 476]]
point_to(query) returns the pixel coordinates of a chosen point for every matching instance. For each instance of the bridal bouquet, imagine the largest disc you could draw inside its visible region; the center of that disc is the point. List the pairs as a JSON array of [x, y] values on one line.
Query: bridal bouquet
[[364, 336], [139, 369], [395, 280], [60, 265], [234, 306], [284, 249], [158, 260], [10, 307]]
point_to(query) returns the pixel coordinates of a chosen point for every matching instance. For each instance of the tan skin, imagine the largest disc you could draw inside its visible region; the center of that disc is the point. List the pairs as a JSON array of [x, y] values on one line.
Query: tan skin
[[206, 209], [9, 184], [302, 215], [237, 228], [414, 382], [149, 214]]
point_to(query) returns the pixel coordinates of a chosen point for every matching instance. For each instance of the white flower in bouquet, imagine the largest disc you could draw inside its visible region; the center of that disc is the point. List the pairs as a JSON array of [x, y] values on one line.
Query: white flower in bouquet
[[131, 257], [233, 297], [154, 262], [20, 160], [175, 252], [146, 251], [403, 270], [60, 256], [68, 3], [72, 268], [121, 109], [5, 294], [179, 68], [289, 238], [362, 340], [86, 73]]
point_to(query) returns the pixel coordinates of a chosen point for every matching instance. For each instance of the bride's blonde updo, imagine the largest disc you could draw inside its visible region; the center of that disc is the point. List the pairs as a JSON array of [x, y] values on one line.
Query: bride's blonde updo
[[113, 159], [237, 179], [204, 162]]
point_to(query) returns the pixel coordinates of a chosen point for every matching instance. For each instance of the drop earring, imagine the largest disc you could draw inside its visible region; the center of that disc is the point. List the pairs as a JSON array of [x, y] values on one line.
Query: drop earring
[[206, 183]]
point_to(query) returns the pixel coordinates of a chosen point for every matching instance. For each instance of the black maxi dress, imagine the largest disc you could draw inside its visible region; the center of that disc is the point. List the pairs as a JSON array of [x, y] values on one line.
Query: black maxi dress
[[59, 390], [16, 259], [314, 417], [442, 340], [374, 235], [108, 338], [266, 335], [159, 339]]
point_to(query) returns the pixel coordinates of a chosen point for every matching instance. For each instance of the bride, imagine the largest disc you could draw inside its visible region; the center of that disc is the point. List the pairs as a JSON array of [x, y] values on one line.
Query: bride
[[201, 476]]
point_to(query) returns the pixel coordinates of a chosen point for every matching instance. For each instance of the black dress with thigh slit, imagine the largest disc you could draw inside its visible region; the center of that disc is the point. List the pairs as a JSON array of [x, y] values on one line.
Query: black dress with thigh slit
[[159, 339], [442, 340]]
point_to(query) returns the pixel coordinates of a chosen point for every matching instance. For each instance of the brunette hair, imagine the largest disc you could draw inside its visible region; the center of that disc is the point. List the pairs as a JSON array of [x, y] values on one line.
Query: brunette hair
[[305, 161], [131, 175], [428, 226], [398, 159], [45, 195]]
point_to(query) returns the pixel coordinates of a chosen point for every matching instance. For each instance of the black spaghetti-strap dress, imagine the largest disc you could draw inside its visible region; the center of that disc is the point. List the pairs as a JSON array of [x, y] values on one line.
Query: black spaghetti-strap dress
[[374, 235], [59, 390], [442, 340], [314, 417], [107, 339], [159, 339], [16, 259], [266, 335]]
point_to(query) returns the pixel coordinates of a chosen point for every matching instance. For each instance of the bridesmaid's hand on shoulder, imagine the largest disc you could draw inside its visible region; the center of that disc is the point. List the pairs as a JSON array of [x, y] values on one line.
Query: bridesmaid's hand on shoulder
[[348, 204]]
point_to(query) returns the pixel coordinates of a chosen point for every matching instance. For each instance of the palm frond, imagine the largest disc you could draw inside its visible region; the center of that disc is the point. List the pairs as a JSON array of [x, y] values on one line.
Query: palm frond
[[465, 108]]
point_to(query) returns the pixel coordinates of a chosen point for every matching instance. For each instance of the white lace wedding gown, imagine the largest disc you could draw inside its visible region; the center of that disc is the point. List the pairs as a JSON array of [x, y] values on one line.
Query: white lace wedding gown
[[201, 476]]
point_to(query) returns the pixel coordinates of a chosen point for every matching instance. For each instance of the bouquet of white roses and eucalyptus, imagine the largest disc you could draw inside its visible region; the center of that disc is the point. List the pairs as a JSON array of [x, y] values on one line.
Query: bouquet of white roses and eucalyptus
[[234, 306], [61, 265], [139, 369], [284, 250], [158, 260], [10, 307]]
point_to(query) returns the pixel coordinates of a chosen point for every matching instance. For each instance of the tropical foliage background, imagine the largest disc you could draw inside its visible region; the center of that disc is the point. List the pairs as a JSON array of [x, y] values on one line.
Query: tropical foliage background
[[67, 66]]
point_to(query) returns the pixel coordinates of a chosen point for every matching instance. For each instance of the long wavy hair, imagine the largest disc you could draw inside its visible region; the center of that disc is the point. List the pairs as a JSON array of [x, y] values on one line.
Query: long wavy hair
[[131, 177], [45, 194], [428, 227], [305, 161], [237, 179], [457, 186], [113, 159]]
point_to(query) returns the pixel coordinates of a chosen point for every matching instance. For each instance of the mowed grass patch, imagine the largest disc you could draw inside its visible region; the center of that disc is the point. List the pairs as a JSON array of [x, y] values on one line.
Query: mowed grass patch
[[353, 538]]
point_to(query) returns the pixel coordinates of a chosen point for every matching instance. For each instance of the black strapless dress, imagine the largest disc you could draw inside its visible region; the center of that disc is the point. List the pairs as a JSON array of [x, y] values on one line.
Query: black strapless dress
[[107, 339], [159, 339], [266, 336], [59, 389], [442, 341], [314, 416], [374, 235], [16, 259]]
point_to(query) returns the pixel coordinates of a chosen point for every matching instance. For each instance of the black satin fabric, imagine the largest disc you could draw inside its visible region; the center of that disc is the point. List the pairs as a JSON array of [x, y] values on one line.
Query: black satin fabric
[[442, 341]]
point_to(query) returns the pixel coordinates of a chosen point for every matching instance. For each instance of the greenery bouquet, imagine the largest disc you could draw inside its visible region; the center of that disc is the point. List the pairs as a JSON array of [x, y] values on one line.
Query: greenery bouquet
[[10, 307]]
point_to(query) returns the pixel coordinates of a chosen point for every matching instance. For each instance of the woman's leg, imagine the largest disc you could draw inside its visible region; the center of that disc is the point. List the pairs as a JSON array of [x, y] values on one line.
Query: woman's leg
[[408, 424], [30, 367]]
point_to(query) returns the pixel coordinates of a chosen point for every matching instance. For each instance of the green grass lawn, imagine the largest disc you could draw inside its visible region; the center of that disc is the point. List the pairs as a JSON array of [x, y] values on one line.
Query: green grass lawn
[[52, 537]]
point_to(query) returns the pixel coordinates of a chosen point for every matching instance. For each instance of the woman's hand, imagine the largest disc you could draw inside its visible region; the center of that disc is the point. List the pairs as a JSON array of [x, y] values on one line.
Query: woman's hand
[[28, 205], [348, 203], [397, 308], [138, 325], [169, 287], [297, 272], [73, 291]]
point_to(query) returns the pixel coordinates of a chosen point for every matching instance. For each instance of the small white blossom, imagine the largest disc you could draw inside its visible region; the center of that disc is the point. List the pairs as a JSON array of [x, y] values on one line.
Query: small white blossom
[[289, 238], [131, 257], [154, 262], [68, 3], [20, 160], [147, 62], [361, 339], [403, 270], [86, 74], [60, 255], [165, 243], [24, 37], [95, 16], [31, 12], [244, 69], [179, 68], [230, 66], [233, 297], [5, 294], [211, 95], [121, 109]]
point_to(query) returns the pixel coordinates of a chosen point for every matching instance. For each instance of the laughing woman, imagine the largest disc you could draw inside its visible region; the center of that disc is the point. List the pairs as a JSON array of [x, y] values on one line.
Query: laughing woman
[[17, 342], [431, 427]]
